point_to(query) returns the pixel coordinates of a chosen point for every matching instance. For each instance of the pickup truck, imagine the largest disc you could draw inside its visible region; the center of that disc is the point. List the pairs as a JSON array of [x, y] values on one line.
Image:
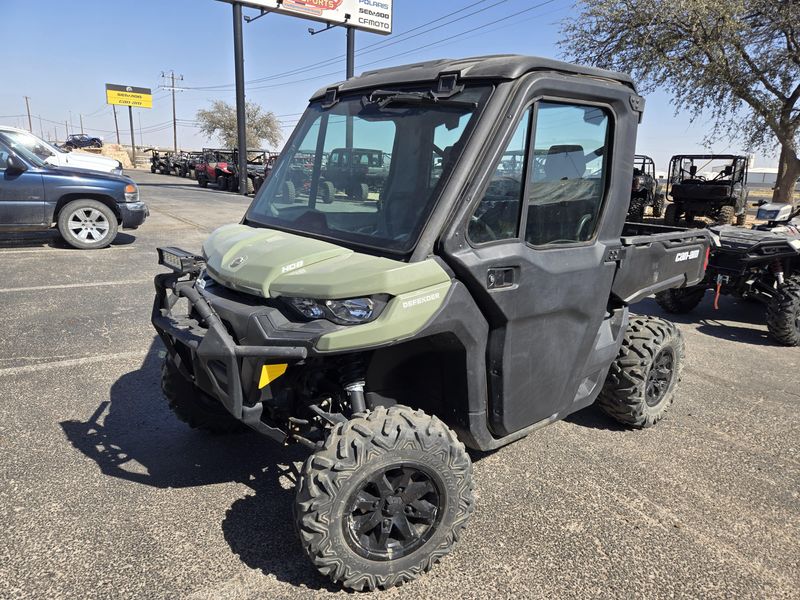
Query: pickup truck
[[386, 336], [87, 207], [54, 155]]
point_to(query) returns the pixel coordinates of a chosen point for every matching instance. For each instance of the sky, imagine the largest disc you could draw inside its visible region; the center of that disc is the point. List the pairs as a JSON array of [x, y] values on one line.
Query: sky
[[61, 54]]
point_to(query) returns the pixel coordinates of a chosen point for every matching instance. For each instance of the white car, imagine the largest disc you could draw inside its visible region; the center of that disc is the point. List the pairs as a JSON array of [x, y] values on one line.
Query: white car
[[60, 158]]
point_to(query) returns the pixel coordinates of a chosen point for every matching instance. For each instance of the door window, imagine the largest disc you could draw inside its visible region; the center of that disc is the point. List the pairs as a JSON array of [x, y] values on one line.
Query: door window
[[567, 182], [497, 215]]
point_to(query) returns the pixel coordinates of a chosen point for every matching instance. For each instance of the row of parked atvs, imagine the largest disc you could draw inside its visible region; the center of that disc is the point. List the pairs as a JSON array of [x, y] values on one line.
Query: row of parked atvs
[[761, 263]]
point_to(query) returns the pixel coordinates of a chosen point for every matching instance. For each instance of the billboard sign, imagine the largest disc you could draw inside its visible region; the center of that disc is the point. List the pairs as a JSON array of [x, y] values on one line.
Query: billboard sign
[[127, 95], [374, 16]]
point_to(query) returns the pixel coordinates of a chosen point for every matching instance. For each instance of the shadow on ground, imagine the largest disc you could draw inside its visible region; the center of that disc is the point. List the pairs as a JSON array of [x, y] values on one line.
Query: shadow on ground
[[52, 239], [717, 323], [134, 436]]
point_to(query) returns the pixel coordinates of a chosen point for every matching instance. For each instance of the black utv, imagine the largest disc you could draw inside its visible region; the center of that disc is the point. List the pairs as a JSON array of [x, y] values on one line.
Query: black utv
[[386, 336], [644, 189], [762, 264], [356, 171], [707, 185]]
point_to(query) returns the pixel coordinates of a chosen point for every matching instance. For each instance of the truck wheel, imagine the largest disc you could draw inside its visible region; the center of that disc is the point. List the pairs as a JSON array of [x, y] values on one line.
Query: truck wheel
[[257, 183], [385, 498], [289, 194], [671, 215], [636, 210], [726, 215], [87, 224], [192, 405], [641, 382], [658, 205], [222, 183], [360, 192], [783, 313], [232, 183], [327, 192], [202, 181], [741, 219], [152, 168], [681, 300]]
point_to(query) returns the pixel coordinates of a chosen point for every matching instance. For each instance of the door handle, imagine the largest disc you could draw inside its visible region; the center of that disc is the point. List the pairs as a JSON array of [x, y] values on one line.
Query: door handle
[[499, 277]]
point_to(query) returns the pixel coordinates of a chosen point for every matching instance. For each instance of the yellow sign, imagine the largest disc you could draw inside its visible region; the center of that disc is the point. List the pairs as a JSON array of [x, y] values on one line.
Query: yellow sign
[[126, 95]]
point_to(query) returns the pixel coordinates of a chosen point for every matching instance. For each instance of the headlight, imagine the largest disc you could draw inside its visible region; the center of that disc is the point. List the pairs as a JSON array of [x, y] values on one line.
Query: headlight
[[131, 193], [351, 311]]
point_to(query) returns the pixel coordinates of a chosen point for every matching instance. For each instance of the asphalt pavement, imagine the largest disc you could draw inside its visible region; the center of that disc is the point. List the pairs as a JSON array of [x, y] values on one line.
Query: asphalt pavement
[[103, 494]]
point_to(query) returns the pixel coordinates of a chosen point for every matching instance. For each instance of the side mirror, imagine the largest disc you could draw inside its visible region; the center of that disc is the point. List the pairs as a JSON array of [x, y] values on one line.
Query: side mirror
[[15, 166]]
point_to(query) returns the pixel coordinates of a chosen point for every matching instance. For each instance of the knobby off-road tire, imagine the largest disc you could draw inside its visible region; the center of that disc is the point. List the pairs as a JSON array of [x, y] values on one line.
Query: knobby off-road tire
[[658, 205], [681, 300], [327, 192], [641, 382], [636, 210], [384, 473], [193, 406], [783, 313], [671, 215], [289, 192], [741, 219], [726, 216]]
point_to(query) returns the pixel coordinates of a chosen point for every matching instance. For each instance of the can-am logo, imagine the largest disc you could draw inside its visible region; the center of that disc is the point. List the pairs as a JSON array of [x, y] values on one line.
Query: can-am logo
[[314, 7]]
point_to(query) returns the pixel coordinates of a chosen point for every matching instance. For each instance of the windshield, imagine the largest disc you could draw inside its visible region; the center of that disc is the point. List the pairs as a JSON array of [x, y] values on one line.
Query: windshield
[[21, 149], [368, 172], [34, 144]]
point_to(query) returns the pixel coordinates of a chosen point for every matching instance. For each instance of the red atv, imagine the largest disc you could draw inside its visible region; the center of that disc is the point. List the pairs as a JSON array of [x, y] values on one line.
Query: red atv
[[215, 167]]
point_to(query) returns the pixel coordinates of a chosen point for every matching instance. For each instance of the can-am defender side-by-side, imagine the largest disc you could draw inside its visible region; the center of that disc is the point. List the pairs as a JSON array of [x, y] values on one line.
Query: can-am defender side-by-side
[[762, 263], [385, 336], [707, 185], [644, 189]]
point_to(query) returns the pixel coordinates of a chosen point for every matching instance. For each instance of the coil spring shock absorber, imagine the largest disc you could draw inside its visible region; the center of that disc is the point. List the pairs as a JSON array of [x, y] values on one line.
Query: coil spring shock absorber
[[777, 271], [353, 376]]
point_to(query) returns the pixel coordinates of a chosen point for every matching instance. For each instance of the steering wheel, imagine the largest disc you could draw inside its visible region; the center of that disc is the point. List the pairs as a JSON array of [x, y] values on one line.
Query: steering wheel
[[490, 234], [585, 221]]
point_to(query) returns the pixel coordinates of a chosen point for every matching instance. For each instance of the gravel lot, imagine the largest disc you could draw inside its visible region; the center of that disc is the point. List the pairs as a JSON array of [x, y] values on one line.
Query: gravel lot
[[103, 494]]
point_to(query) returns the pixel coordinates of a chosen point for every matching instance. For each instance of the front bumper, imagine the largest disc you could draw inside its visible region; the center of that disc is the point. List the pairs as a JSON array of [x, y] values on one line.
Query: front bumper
[[133, 214], [205, 353]]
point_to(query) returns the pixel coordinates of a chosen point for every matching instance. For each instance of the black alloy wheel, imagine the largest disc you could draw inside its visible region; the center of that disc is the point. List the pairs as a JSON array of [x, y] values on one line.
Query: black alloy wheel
[[394, 512], [659, 377]]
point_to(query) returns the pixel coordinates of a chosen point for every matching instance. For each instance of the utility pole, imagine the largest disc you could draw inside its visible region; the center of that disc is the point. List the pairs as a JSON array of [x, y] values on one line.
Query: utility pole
[[71, 126], [28, 107], [41, 129], [81, 118], [241, 114], [66, 131], [116, 125], [172, 87], [350, 71], [133, 140]]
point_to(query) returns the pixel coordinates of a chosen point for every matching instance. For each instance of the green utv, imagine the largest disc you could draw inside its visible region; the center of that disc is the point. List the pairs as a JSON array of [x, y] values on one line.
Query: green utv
[[472, 304]]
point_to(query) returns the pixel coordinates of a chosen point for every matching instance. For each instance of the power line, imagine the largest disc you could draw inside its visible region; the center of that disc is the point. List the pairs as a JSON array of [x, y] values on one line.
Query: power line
[[396, 39]]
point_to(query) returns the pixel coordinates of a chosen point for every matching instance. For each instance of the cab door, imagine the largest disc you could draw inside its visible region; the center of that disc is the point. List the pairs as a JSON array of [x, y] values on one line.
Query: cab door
[[537, 253], [22, 201]]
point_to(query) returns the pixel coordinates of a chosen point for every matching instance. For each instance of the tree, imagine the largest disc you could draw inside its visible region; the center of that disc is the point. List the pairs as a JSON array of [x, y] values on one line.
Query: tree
[[220, 121], [737, 60]]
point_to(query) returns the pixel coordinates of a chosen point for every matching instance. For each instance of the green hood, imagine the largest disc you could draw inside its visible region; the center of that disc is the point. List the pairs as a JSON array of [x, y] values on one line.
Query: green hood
[[271, 263]]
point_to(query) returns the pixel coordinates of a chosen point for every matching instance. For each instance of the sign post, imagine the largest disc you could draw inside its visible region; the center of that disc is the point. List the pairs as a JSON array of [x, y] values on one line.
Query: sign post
[[130, 96]]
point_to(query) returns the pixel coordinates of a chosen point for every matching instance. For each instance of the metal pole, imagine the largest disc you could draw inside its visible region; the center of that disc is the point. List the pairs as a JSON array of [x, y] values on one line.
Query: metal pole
[[66, 131], [350, 71], [133, 140], [174, 121], [116, 124], [241, 124], [28, 107], [81, 117], [41, 128]]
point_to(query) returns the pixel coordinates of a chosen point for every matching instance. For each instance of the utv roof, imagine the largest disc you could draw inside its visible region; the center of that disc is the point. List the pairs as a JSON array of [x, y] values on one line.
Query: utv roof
[[497, 67], [709, 156]]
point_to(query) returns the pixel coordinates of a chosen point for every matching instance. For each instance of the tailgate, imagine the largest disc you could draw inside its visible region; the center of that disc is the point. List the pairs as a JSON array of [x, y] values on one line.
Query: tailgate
[[654, 258]]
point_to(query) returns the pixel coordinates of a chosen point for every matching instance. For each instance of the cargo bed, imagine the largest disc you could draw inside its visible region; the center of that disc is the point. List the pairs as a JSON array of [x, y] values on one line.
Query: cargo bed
[[653, 258]]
